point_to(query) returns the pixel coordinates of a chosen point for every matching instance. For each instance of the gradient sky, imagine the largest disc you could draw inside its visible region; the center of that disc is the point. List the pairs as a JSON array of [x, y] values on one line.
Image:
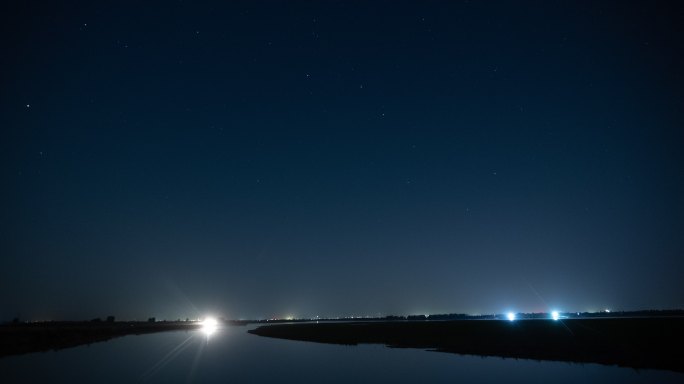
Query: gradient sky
[[265, 159]]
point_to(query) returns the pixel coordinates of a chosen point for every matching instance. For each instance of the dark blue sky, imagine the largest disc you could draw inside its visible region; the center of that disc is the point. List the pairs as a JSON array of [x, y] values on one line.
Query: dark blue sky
[[259, 159]]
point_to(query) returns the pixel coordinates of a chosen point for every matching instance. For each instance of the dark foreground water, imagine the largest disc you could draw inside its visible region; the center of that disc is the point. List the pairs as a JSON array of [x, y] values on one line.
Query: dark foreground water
[[232, 355]]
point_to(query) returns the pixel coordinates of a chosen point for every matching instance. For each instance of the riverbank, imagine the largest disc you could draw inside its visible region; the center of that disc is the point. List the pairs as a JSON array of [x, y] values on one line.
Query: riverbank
[[17, 339], [642, 343]]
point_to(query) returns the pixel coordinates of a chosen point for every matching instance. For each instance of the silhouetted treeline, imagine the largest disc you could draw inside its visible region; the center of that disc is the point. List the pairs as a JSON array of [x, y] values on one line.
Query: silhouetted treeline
[[444, 316]]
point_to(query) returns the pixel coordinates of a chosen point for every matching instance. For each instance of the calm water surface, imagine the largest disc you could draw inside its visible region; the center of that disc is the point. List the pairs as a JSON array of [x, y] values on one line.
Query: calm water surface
[[232, 355]]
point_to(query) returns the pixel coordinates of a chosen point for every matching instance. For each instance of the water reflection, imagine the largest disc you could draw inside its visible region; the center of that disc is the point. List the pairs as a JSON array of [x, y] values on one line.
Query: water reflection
[[200, 339]]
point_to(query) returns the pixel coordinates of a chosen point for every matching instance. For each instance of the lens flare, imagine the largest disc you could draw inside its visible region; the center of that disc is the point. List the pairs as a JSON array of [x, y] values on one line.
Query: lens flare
[[209, 326], [510, 316]]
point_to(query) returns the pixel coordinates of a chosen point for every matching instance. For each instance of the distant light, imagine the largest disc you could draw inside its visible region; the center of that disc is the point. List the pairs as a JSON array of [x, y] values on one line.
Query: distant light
[[209, 326], [555, 315], [607, 310], [510, 316]]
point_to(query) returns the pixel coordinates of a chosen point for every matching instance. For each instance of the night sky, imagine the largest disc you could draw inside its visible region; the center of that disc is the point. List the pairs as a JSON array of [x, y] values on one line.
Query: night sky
[[271, 159]]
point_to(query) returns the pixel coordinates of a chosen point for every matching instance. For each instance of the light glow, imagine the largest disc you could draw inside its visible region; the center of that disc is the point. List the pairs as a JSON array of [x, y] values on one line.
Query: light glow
[[555, 315], [209, 326], [510, 316]]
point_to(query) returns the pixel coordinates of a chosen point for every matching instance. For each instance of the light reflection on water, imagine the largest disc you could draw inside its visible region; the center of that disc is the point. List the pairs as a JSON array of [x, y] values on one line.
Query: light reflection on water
[[230, 354]]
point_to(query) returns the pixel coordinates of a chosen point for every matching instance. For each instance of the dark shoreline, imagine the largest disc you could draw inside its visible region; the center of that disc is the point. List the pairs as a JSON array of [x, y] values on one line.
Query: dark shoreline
[[641, 343], [17, 339]]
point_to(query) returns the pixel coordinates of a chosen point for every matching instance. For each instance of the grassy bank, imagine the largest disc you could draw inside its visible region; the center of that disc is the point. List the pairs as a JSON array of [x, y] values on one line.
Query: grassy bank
[[631, 342], [18, 339]]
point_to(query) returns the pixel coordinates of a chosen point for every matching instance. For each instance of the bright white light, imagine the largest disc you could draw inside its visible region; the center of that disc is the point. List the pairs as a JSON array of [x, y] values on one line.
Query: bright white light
[[555, 315], [510, 316], [209, 326]]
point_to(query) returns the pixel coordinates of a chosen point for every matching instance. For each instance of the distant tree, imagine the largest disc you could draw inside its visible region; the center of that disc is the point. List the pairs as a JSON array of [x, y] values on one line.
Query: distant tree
[[151, 320], [110, 319]]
